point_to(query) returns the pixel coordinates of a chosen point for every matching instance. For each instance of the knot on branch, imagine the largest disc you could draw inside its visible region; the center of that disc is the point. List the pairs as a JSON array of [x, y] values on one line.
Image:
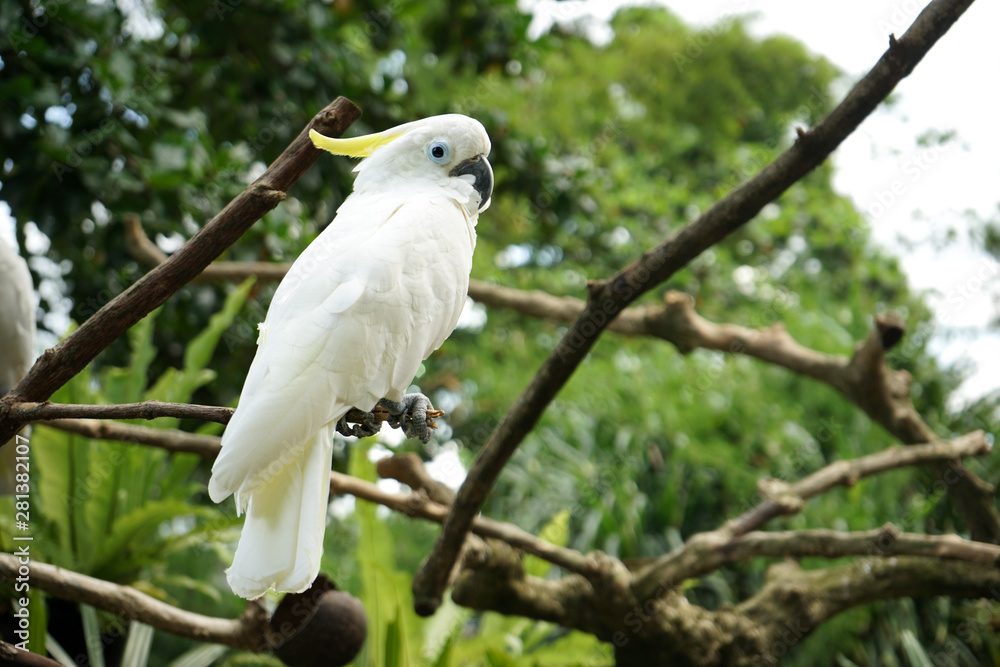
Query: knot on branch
[[340, 111], [500, 561], [675, 322], [890, 328], [781, 494], [885, 541], [409, 469], [609, 576], [267, 193]]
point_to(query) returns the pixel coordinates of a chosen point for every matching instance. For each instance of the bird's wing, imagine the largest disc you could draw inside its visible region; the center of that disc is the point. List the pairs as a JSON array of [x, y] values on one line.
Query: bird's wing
[[369, 299], [17, 318]]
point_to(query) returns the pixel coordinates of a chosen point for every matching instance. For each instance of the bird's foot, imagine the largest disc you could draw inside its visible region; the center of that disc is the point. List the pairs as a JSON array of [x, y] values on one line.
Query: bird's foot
[[368, 426], [411, 414]]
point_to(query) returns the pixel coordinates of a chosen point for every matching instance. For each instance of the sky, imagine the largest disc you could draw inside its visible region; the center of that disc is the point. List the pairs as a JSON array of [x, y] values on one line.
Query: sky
[[911, 194]]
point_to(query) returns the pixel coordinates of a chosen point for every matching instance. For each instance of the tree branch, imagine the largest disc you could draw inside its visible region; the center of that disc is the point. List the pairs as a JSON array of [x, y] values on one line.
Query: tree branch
[[416, 504], [246, 633], [607, 299], [801, 599], [698, 554], [47, 411], [11, 655], [885, 542], [60, 363], [865, 379], [172, 440], [32, 412]]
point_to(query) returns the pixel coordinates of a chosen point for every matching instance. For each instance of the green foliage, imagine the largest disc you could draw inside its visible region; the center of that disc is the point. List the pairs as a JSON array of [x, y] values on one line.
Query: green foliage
[[117, 511], [599, 154]]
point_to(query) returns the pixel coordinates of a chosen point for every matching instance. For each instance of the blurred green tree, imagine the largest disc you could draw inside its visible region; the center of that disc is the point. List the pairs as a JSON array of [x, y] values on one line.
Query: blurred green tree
[[167, 110]]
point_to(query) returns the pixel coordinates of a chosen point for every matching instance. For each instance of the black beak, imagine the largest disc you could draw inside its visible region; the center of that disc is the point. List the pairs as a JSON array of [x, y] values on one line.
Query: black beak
[[479, 168]]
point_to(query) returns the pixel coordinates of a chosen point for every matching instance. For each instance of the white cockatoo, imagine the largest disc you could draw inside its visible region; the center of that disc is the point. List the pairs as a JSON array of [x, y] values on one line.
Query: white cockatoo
[[17, 339], [374, 295]]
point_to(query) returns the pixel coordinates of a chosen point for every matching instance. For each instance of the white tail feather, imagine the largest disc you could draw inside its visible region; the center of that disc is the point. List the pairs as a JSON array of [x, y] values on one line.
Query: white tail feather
[[282, 540]]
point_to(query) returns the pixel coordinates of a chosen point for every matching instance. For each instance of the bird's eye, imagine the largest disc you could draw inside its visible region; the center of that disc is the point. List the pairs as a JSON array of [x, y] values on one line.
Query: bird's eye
[[439, 152]]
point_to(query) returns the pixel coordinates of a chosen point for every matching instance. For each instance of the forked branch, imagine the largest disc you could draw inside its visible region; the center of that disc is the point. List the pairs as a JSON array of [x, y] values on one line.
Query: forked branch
[[608, 298]]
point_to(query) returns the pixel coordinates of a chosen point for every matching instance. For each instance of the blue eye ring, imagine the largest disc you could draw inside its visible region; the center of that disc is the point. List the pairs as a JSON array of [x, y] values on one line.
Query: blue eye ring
[[439, 152]]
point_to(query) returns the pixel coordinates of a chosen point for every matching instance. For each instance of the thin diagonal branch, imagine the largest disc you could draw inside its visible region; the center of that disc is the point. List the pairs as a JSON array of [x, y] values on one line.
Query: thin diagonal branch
[[607, 299], [246, 632], [57, 365]]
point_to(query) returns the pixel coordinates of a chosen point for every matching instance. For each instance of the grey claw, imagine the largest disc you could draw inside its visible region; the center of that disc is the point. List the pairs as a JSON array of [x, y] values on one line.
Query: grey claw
[[363, 429], [410, 414]]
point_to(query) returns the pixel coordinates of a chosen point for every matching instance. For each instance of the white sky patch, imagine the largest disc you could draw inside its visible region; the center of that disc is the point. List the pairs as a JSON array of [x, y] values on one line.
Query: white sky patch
[[341, 507], [473, 317], [513, 256], [446, 466], [390, 437], [911, 193]]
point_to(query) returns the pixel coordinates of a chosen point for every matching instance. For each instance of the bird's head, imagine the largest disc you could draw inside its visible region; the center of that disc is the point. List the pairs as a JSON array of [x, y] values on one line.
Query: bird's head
[[449, 150]]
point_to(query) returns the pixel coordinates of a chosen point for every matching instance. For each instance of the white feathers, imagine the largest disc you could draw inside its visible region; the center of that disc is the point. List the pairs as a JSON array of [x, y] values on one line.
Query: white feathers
[[17, 318], [376, 293], [17, 339], [294, 521]]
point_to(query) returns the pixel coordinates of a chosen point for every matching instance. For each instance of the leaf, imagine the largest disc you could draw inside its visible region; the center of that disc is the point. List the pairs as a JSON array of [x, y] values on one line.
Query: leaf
[[92, 635], [179, 386], [53, 456], [208, 589], [200, 656], [914, 651], [138, 645], [199, 351], [495, 658], [134, 532], [57, 652], [126, 385], [39, 618], [441, 629], [393, 644], [555, 532], [385, 593]]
